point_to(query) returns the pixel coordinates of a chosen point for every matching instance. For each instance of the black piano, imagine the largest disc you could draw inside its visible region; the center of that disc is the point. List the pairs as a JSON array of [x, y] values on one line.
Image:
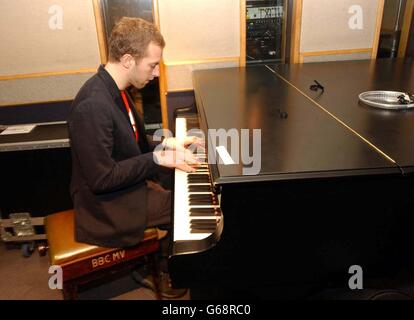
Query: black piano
[[334, 187]]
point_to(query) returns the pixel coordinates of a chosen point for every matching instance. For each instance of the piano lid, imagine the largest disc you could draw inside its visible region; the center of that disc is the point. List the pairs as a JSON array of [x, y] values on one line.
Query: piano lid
[[298, 139], [391, 131]]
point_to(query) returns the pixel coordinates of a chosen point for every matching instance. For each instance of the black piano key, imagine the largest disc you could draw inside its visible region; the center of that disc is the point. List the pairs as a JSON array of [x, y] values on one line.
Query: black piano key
[[193, 181], [208, 200], [199, 188], [198, 202], [201, 197], [207, 227], [194, 175], [202, 230], [211, 220], [203, 209], [200, 176], [203, 225], [202, 214], [211, 199]]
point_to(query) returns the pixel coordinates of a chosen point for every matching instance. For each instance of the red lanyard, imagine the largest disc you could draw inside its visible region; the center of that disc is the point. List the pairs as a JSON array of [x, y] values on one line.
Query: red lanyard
[[131, 117]]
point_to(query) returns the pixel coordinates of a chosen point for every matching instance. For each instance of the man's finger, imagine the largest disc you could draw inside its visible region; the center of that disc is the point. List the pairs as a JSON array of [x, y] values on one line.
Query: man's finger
[[186, 168], [193, 140], [190, 158]]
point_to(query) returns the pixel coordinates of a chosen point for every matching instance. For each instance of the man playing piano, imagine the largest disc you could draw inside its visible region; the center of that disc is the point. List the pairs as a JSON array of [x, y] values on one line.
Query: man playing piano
[[113, 161]]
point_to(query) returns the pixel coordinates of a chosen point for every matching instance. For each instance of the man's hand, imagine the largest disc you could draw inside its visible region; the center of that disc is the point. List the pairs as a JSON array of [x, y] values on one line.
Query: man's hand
[[181, 159], [181, 143]]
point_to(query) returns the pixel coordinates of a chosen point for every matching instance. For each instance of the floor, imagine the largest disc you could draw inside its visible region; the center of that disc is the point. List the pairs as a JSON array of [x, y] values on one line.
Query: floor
[[26, 278]]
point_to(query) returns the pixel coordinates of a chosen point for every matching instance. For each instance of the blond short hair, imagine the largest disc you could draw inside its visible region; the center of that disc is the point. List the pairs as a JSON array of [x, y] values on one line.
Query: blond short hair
[[133, 35]]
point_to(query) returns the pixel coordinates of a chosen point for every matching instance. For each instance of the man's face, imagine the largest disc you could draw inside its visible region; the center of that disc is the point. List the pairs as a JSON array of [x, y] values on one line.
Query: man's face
[[147, 68]]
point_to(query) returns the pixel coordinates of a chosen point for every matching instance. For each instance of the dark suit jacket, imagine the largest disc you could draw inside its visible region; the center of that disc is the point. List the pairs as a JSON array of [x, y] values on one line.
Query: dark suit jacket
[[109, 168]]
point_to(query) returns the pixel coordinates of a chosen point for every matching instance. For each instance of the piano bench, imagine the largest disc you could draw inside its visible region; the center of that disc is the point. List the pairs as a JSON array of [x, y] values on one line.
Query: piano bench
[[83, 263]]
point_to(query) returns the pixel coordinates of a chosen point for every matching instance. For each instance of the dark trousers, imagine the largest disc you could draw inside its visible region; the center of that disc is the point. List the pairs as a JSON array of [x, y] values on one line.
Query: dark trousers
[[159, 209], [158, 206]]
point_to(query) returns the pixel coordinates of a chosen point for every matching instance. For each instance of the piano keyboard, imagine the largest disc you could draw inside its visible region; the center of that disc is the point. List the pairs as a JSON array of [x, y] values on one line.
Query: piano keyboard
[[197, 214]]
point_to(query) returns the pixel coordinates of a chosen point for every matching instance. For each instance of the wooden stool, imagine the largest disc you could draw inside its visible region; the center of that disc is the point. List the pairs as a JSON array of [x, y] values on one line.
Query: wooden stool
[[83, 263]]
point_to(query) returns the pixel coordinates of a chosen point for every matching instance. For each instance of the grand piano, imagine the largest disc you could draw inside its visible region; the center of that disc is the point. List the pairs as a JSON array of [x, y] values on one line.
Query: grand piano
[[334, 189]]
